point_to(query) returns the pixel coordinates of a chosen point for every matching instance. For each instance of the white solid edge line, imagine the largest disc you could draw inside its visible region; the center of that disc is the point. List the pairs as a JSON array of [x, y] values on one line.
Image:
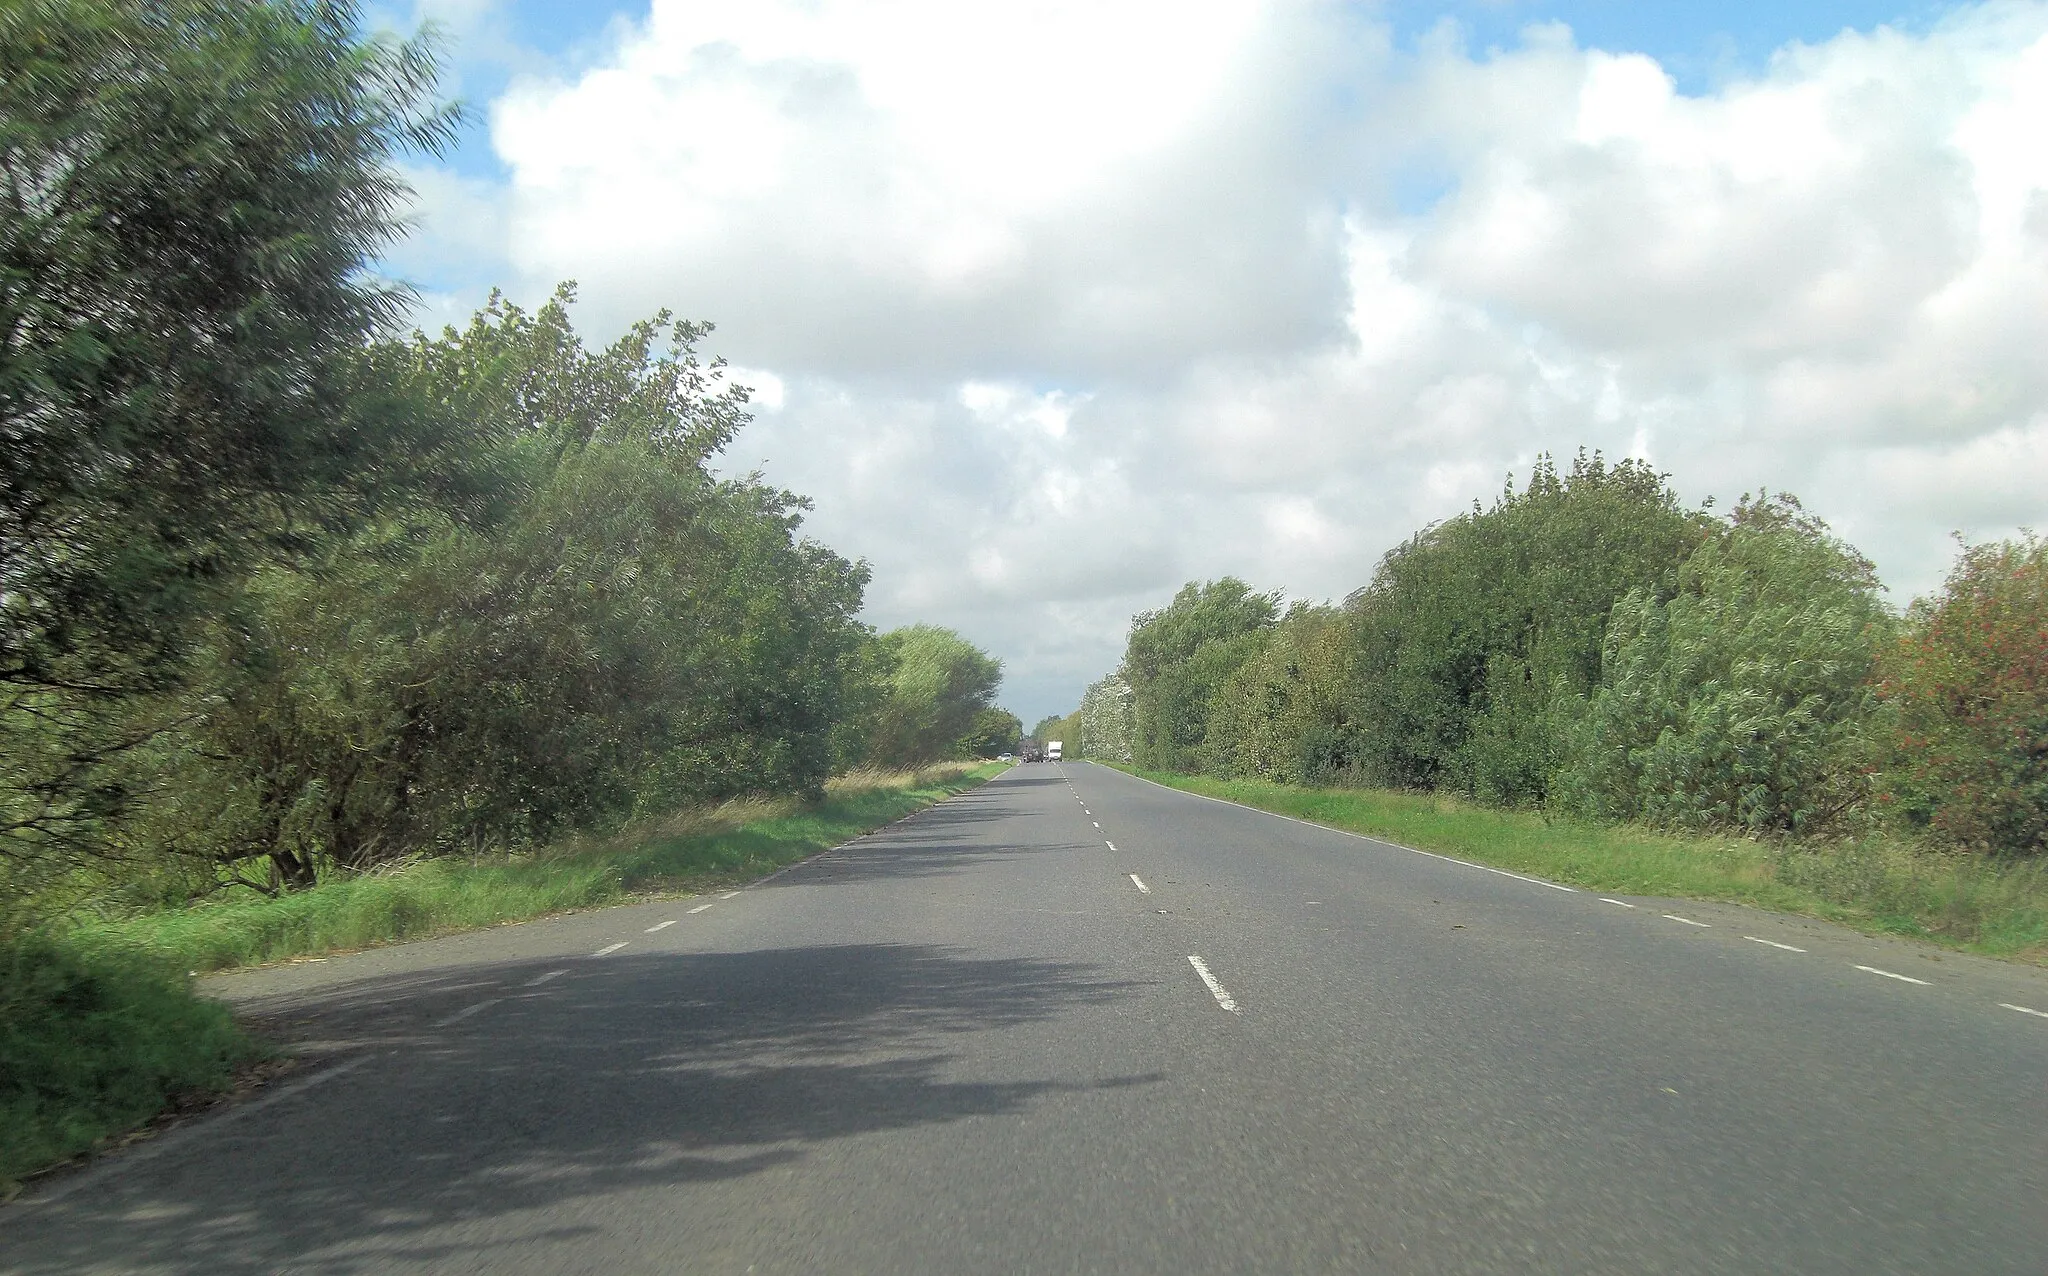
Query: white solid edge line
[[1689, 921], [1215, 989], [1624, 903], [1377, 841], [467, 1011], [1904, 979], [2023, 1010], [730, 895], [1139, 883], [699, 908], [661, 926], [608, 949], [538, 980], [1773, 943], [183, 1134]]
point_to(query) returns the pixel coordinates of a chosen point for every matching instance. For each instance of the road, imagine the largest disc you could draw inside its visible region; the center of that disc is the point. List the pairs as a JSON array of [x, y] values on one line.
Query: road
[[1071, 1021]]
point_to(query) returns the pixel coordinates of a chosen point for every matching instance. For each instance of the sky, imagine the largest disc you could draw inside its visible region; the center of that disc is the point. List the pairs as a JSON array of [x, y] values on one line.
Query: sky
[[1052, 307]]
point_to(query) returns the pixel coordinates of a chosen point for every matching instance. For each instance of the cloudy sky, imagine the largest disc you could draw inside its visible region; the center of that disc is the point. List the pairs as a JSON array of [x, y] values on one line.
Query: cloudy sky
[[1054, 306]]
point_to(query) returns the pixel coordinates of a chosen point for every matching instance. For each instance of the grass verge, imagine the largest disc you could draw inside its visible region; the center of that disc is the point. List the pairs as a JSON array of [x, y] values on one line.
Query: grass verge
[[1969, 903], [100, 1028]]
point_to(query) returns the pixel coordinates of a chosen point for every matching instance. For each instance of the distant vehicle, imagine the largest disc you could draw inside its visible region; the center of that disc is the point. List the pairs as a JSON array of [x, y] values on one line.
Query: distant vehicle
[[1004, 757], [1052, 750]]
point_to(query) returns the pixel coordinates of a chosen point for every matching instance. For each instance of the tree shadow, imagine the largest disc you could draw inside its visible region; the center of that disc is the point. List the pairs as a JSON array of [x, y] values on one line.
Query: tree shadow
[[622, 1074]]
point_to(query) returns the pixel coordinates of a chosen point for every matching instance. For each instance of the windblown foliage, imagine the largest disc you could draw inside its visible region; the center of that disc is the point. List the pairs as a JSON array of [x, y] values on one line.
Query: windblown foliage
[[1969, 682], [1589, 645]]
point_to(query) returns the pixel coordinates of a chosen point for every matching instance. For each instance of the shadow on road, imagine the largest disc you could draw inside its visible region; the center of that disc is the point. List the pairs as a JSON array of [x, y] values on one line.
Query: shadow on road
[[620, 1075]]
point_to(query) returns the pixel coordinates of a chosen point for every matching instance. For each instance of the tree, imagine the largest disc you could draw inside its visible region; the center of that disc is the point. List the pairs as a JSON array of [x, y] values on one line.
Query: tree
[[192, 190], [1105, 720], [994, 731], [1472, 632], [938, 684], [1744, 700], [1178, 656], [1968, 681], [628, 635], [1284, 713]]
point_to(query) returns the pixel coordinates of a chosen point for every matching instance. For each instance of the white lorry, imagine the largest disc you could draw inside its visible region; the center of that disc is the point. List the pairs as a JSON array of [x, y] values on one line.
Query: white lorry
[[1052, 750]]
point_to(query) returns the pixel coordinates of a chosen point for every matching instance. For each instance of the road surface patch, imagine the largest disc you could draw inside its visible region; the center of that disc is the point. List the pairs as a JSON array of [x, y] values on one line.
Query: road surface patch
[[1216, 990]]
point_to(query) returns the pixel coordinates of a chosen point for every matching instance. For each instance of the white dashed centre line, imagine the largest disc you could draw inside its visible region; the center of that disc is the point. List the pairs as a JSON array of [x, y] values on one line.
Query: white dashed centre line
[[2023, 1010], [1111, 845], [1097, 826], [1139, 883], [661, 925], [1216, 990], [700, 908], [608, 949], [730, 895], [1689, 921], [1773, 943], [467, 1011], [538, 980], [1904, 979], [1624, 903]]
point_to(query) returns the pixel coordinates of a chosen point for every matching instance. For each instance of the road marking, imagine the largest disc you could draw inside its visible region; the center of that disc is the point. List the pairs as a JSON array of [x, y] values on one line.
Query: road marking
[[1111, 845], [730, 895], [2023, 1010], [467, 1011], [1624, 903], [1140, 884], [538, 980], [608, 949], [699, 908], [1904, 979], [1215, 989], [1773, 943], [661, 925], [1689, 921], [1097, 826]]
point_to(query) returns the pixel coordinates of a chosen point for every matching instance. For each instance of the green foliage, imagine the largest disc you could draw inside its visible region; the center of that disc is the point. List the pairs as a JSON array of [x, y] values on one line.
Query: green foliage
[[1471, 633], [1968, 681], [1104, 720], [192, 190], [1284, 714], [939, 684], [994, 731], [1743, 701], [628, 636], [1179, 656], [94, 1038]]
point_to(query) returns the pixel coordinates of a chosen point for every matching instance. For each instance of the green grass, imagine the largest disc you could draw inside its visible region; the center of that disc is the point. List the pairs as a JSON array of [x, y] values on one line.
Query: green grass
[[1960, 901], [101, 1030], [96, 1039], [695, 851]]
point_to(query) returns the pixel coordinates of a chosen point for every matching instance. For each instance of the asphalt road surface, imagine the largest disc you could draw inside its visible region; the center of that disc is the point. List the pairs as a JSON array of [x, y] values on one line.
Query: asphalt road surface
[[1071, 1021]]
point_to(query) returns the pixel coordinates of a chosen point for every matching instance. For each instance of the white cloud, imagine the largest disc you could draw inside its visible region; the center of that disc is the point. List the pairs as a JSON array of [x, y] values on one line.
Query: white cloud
[[1062, 304]]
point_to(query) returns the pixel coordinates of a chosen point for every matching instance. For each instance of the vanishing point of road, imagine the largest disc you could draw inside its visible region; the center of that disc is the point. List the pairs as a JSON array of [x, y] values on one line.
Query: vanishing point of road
[[1074, 1022]]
